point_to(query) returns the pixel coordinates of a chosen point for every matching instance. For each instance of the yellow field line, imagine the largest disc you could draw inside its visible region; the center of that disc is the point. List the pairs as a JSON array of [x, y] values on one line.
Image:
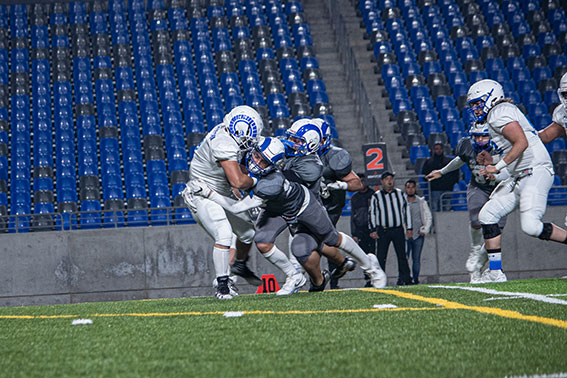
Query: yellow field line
[[485, 310], [196, 313]]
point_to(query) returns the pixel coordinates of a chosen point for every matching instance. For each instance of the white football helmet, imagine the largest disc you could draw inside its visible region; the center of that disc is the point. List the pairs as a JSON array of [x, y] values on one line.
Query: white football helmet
[[488, 93], [309, 135], [245, 125], [562, 91], [325, 133], [272, 152]]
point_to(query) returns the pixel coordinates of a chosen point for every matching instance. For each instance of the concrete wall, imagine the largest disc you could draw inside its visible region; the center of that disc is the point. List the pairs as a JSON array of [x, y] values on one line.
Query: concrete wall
[[157, 262]]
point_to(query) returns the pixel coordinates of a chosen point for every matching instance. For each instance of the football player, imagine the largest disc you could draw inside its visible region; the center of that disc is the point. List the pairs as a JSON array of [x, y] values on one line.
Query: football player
[[338, 177], [290, 203], [478, 190], [530, 168], [216, 162], [559, 120]]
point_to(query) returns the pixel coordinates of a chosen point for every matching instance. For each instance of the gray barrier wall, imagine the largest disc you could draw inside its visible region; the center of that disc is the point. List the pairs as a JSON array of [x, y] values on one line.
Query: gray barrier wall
[[157, 262]]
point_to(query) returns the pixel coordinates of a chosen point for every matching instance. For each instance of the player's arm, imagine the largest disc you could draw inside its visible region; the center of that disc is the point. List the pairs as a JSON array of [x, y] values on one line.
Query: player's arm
[[234, 175], [451, 166], [551, 132], [515, 134], [349, 182]]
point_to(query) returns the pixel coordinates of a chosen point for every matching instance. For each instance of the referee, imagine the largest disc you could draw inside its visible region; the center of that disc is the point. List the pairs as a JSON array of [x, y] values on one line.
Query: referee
[[389, 213]]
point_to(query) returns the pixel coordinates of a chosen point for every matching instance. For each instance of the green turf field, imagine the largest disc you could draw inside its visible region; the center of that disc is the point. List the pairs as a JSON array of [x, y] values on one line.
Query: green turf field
[[425, 332]]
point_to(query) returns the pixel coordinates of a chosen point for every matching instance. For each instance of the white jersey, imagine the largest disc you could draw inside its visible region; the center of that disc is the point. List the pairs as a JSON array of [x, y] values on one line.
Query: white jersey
[[218, 145], [560, 115], [534, 155]]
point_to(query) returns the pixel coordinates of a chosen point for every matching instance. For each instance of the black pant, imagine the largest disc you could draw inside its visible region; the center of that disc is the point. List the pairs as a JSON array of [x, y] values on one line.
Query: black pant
[[397, 236], [367, 244]]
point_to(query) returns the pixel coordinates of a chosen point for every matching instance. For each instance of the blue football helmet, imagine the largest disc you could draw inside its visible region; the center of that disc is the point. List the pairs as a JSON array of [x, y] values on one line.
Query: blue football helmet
[[308, 136], [271, 150], [478, 129]]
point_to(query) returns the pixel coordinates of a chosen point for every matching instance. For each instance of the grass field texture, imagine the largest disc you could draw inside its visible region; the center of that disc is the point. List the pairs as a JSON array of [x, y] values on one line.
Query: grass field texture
[[512, 329]]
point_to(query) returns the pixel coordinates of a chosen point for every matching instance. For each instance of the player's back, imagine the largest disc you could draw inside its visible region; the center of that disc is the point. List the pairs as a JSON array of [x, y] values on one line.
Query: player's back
[[217, 145], [305, 170], [282, 196], [534, 155]]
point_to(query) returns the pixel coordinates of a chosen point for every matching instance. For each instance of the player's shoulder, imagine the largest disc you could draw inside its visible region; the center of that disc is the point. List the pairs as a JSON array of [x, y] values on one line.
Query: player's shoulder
[[271, 184], [503, 109], [560, 115], [463, 144]]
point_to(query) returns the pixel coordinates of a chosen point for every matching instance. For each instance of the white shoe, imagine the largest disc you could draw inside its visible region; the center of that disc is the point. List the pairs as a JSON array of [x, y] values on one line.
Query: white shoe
[[476, 277], [477, 258], [292, 284], [377, 276], [493, 276]]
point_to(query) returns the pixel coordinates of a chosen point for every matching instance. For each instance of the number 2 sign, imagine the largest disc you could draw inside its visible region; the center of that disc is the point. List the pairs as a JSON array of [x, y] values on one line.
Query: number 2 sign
[[375, 161]]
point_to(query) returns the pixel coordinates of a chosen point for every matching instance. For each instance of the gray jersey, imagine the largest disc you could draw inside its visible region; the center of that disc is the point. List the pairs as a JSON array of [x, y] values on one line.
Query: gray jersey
[[336, 165], [535, 155], [305, 170], [560, 115], [281, 196], [465, 151], [218, 145]]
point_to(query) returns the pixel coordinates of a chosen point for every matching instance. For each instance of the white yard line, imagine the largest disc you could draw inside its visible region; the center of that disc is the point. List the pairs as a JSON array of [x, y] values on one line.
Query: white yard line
[[534, 297], [553, 375]]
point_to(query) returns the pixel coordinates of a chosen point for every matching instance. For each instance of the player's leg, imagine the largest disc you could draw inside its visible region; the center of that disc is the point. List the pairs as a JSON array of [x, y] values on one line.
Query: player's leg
[[212, 218], [476, 198], [243, 228], [267, 230], [504, 199], [303, 247], [533, 202]]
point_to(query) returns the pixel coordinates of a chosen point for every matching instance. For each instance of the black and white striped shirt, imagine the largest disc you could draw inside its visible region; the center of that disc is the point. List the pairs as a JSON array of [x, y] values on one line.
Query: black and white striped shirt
[[389, 210]]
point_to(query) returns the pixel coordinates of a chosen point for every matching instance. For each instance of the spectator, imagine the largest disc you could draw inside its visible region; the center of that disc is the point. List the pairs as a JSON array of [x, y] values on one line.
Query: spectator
[[389, 213], [360, 203], [421, 223], [444, 184]]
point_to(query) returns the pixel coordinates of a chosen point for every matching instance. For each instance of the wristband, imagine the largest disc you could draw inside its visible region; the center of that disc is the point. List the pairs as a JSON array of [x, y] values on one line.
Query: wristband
[[343, 185], [254, 180], [501, 165]]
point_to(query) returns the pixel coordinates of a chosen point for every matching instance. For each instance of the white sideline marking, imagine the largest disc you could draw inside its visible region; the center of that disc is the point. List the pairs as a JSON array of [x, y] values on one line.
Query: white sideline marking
[[387, 305], [500, 298], [233, 314], [81, 321], [535, 297]]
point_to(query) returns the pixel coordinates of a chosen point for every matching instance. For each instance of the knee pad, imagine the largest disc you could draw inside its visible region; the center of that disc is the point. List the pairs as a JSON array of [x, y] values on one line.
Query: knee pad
[[532, 227], [302, 246], [490, 231], [247, 237], [546, 233], [223, 235]]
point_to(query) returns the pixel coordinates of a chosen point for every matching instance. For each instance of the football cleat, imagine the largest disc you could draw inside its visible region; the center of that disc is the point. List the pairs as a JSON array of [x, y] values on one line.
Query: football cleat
[[326, 279], [377, 276], [477, 258], [490, 276], [347, 266], [240, 268], [292, 284], [223, 290], [231, 285]]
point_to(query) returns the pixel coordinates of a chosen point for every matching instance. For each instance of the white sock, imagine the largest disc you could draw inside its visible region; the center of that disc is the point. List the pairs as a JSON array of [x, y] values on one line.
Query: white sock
[[477, 240], [220, 261], [280, 260], [349, 246]]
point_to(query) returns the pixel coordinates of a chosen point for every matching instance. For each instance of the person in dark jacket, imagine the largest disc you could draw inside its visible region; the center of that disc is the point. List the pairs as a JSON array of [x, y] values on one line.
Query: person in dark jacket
[[443, 185], [359, 203]]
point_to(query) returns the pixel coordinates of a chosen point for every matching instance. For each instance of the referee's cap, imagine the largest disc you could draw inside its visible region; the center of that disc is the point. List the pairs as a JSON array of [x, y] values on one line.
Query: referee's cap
[[386, 174]]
